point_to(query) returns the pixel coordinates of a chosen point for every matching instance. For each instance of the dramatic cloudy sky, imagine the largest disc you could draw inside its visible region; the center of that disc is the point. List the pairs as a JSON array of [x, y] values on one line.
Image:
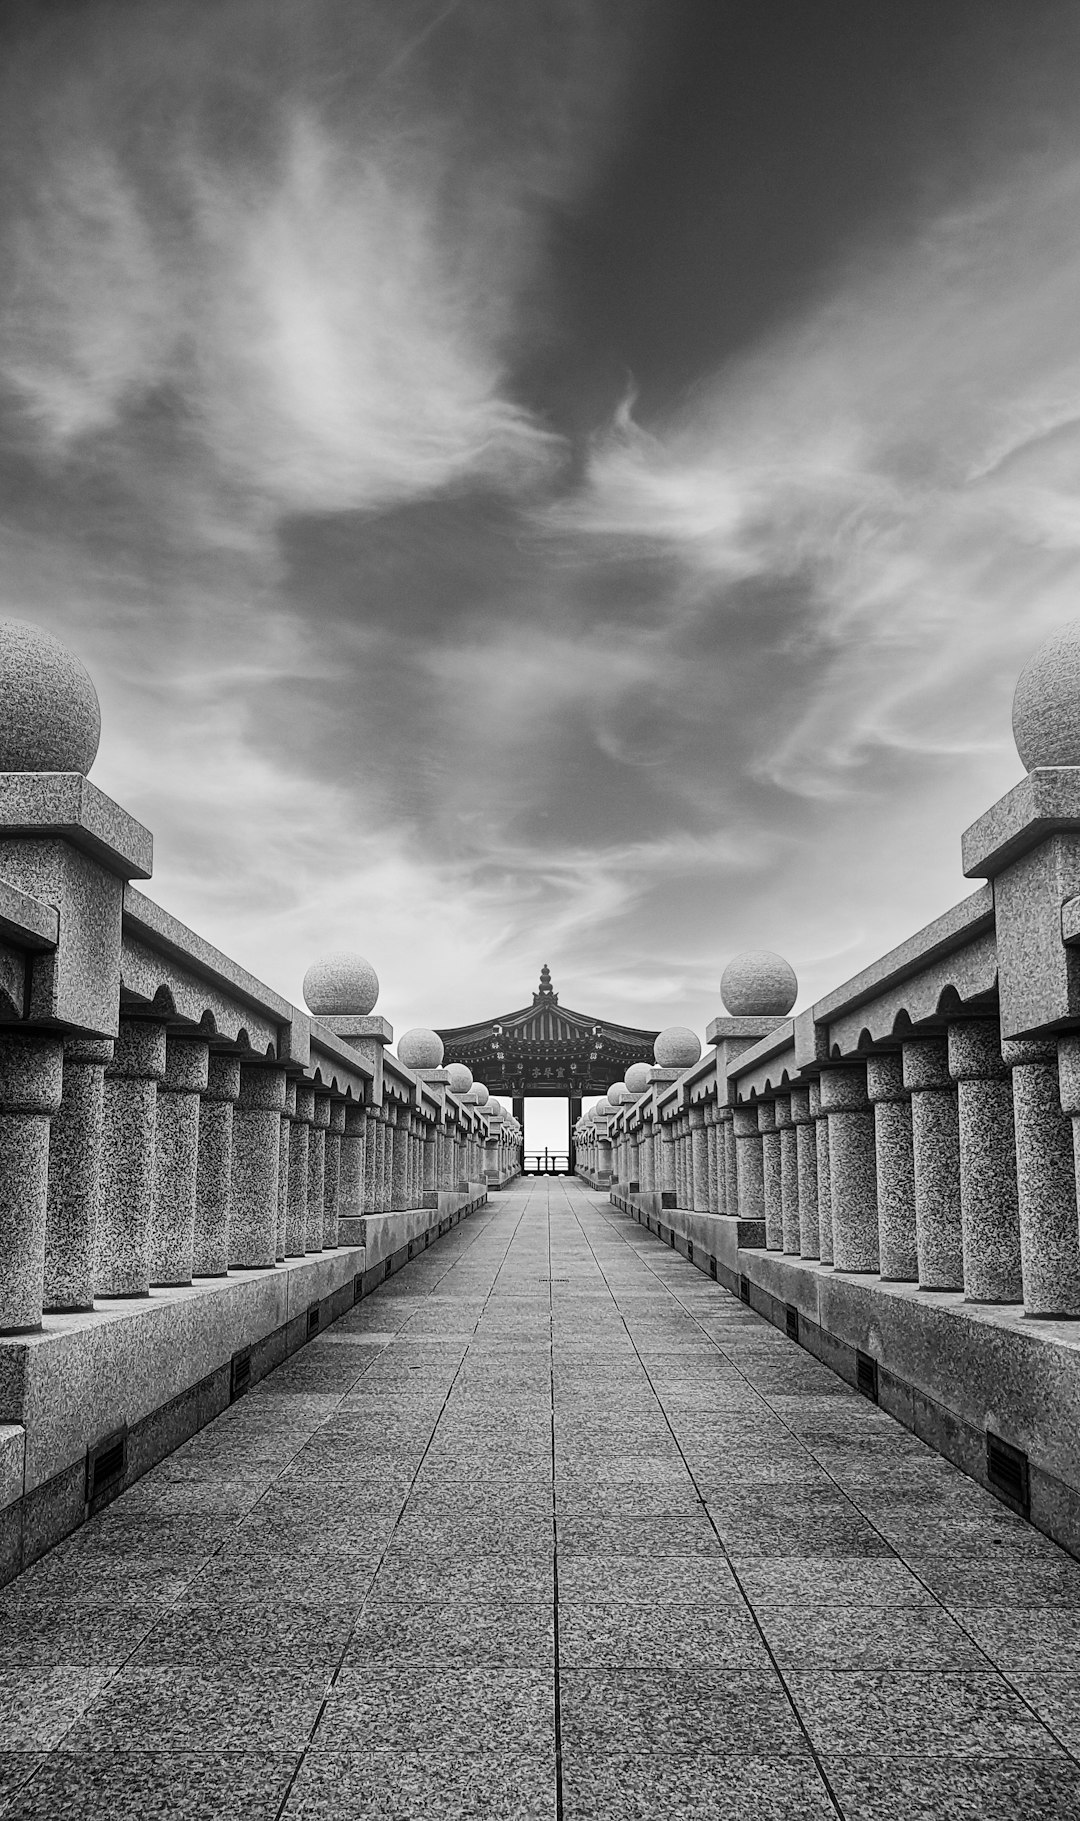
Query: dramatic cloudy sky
[[567, 480]]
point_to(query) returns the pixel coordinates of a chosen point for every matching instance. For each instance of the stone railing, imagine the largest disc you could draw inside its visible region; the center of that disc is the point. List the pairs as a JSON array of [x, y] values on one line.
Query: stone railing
[[905, 1150], [171, 1128]]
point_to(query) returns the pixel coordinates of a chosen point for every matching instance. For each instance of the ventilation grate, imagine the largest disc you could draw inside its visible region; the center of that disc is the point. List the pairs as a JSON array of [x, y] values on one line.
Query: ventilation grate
[[712, 1265], [358, 1287], [1008, 1473], [744, 1289], [106, 1465], [866, 1375], [313, 1319], [387, 1268], [672, 1238], [791, 1318], [690, 1250], [239, 1373]]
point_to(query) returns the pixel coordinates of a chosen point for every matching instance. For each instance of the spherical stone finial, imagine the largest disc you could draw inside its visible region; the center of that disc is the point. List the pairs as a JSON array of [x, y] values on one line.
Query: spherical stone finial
[[677, 1048], [50, 719], [617, 1093], [759, 984], [341, 985], [482, 1092], [603, 1108], [1046, 702], [460, 1078], [420, 1048], [637, 1077]]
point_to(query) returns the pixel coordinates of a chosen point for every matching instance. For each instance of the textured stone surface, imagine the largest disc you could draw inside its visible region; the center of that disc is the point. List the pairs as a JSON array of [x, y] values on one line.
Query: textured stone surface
[[31, 1070], [1046, 702], [852, 1169], [213, 1173], [420, 1048], [51, 720], [935, 1134], [1046, 1181], [758, 984], [899, 1260], [460, 1078], [988, 1183], [74, 1168], [637, 1077], [127, 1158], [677, 1048], [340, 985], [256, 1148], [176, 1158]]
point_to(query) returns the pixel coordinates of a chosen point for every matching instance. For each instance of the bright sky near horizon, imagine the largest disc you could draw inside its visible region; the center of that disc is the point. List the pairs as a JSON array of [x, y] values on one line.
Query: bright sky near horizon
[[544, 480]]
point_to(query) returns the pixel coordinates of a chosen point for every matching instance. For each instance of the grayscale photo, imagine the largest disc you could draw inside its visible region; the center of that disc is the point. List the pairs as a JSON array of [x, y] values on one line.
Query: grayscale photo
[[539, 910]]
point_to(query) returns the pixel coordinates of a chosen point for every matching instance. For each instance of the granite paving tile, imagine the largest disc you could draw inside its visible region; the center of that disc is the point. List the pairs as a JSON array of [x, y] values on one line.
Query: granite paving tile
[[467, 1576], [93, 1634], [641, 1580], [40, 1703], [225, 1632], [606, 1635], [1002, 1582], [484, 1783], [637, 1536], [866, 1637], [944, 1788], [395, 1630], [687, 1786], [1019, 1638], [1055, 1697], [958, 1712], [237, 1707], [262, 1574], [713, 1712], [143, 1786], [438, 1710]]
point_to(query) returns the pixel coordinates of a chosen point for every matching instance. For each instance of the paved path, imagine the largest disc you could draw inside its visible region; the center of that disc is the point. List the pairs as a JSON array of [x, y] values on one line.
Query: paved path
[[342, 1599]]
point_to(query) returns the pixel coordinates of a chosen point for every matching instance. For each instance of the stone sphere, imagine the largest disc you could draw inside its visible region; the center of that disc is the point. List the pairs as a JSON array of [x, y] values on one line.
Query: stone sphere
[[637, 1077], [420, 1048], [342, 985], [49, 714], [1046, 703], [677, 1048], [602, 1108], [617, 1093], [482, 1092], [460, 1078], [758, 984]]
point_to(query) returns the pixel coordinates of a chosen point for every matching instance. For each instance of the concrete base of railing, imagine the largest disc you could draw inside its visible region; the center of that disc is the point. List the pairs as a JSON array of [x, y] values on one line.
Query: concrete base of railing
[[155, 1369], [962, 1376]]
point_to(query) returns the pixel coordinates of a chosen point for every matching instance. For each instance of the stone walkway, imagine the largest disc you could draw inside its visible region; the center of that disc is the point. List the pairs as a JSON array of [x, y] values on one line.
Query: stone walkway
[[549, 1526]]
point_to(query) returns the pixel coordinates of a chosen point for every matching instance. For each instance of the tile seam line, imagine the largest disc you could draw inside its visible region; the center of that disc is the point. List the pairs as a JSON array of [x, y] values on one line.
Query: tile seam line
[[782, 1680], [362, 1609], [916, 1576]]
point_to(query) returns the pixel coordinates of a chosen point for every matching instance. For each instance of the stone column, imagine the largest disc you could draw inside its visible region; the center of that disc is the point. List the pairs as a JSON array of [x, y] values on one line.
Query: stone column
[[789, 1174], [126, 1193], [355, 1150], [699, 1160], [1046, 1180], [806, 1185], [730, 1185], [31, 1083], [74, 1169], [935, 1133], [316, 1189], [712, 1134], [256, 1161], [989, 1208], [213, 1175], [895, 1167], [371, 1158], [852, 1168], [749, 1163], [335, 1132], [296, 1217], [770, 1164], [824, 1174], [176, 1159], [668, 1174], [288, 1114]]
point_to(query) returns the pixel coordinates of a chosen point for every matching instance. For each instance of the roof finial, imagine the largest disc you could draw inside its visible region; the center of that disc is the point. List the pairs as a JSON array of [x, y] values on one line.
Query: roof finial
[[545, 979]]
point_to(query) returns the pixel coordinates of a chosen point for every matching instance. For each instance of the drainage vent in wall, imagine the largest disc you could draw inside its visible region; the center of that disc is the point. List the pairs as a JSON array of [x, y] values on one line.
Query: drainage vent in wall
[[358, 1287], [791, 1317], [313, 1319], [866, 1375], [106, 1465], [387, 1268], [690, 1250], [1007, 1472], [672, 1238], [239, 1373], [744, 1289], [712, 1266]]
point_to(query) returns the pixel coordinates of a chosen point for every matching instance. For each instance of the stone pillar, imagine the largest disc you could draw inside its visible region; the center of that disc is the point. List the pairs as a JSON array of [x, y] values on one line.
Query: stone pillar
[[256, 1162], [176, 1160], [806, 1187], [852, 1168], [749, 1163], [288, 1114], [989, 1207], [399, 1162], [789, 1174], [387, 1144], [355, 1156], [935, 1133], [213, 1175], [296, 1217], [824, 1174], [371, 1158], [770, 1164], [316, 1188], [899, 1256], [1046, 1180], [730, 1202], [31, 1083], [712, 1134], [126, 1193], [668, 1174], [698, 1140], [335, 1132], [74, 1169]]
